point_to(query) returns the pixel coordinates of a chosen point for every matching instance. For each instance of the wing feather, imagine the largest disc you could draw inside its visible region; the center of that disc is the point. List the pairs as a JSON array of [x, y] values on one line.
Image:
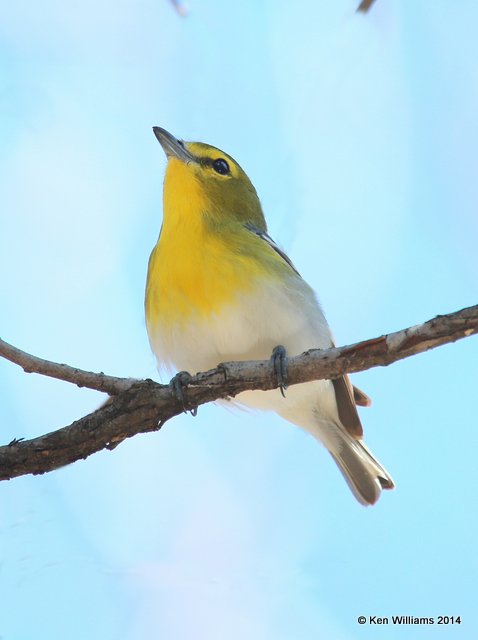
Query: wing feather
[[266, 237], [346, 395], [348, 415]]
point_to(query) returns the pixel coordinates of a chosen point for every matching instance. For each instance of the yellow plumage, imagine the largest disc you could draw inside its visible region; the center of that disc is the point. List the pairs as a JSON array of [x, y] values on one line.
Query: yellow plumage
[[220, 289], [183, 274]]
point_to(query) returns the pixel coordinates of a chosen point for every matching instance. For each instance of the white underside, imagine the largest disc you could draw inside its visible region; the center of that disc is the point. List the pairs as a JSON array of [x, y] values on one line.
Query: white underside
[[249, 329]]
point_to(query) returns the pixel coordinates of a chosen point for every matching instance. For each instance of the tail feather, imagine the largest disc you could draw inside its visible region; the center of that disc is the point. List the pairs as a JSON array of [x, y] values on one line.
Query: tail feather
[[364, 474]]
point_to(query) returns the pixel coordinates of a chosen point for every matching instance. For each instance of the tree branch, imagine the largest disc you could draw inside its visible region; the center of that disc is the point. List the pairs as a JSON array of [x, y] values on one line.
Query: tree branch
[[33, 364], [145, 406]]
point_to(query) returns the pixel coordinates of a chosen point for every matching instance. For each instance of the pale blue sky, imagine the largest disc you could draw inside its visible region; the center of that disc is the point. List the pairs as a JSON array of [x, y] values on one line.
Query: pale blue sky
[[360, 135]]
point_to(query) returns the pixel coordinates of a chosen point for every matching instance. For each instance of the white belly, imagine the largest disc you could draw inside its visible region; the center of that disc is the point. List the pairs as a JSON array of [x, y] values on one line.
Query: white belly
[[249, 329]]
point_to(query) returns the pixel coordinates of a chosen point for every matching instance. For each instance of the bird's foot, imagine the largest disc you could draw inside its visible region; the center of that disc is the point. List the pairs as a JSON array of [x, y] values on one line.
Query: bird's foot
[[279, 363], [222, 367], [178, 386]]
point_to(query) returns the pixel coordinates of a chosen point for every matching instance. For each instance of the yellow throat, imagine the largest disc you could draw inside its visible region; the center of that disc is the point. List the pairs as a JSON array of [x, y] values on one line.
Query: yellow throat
[[205, 255]]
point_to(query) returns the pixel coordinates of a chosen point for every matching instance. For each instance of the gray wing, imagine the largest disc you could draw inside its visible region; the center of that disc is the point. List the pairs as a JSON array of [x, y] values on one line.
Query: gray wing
[[347, 397], [348, 415], [266, 237]]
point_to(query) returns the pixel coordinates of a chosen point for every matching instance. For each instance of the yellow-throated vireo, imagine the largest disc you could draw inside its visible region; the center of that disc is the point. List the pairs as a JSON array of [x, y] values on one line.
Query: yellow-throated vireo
[[220, 289]]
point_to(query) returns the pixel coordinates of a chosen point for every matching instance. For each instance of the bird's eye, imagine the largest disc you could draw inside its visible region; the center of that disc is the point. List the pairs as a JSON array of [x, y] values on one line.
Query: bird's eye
[[220, 166]]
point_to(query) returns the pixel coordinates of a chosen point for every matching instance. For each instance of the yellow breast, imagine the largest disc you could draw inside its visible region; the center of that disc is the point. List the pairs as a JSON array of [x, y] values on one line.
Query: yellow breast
[[194, 270], [189, 274], [207, 264]]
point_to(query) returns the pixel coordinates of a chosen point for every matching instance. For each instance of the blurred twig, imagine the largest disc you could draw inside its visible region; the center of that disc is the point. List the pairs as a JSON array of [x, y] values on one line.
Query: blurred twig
[[143, 405], [180, 7], [365, 5]]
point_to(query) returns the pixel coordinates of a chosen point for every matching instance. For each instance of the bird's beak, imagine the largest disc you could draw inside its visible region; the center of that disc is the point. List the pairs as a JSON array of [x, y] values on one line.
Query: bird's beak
[[172, 147]]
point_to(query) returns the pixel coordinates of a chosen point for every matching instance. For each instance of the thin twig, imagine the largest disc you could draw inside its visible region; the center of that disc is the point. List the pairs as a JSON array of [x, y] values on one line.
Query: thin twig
[[365, 6], [33, 364], [180, 7]]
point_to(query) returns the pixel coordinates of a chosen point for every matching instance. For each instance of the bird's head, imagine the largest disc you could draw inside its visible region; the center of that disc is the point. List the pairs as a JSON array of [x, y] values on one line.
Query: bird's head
[[204, 181]]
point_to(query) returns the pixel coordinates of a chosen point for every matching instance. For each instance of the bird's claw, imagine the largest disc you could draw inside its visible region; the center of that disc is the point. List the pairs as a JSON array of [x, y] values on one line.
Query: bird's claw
[[178, 385], [279, 363], [222, 367]]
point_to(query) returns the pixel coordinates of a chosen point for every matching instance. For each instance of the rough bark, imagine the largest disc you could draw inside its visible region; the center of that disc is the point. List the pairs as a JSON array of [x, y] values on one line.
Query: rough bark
[[142, 406]]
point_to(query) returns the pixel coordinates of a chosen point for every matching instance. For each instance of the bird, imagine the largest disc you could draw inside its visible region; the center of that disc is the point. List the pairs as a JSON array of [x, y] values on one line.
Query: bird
[[220, 289]]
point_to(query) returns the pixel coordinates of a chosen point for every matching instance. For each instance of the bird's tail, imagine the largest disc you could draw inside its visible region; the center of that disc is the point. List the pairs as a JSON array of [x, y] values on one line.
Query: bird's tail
[[364, 474]]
